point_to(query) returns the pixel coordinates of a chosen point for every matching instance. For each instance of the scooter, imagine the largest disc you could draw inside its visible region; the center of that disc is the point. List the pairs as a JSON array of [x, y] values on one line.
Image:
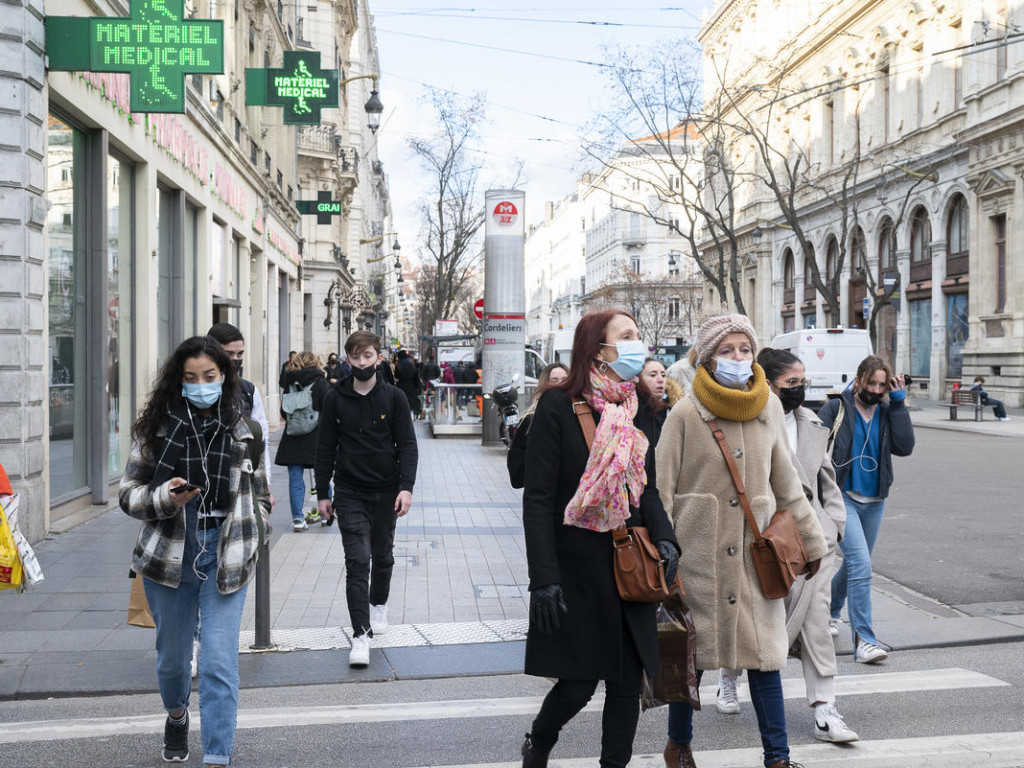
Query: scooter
[[506, 398]]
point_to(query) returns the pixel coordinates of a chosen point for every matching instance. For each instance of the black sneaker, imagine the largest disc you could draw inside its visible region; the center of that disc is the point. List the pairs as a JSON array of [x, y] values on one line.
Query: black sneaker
[[176, 740]]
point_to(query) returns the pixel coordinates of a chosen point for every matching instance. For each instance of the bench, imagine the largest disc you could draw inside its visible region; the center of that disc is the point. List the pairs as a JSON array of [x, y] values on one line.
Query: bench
[[964, 398]]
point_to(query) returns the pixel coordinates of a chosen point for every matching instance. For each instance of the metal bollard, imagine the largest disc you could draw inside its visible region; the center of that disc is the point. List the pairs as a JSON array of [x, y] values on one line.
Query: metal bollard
[[263, 642]]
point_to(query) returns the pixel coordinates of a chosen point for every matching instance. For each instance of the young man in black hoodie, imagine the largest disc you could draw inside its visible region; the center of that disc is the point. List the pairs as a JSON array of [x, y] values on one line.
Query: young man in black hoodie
[[367, 445]]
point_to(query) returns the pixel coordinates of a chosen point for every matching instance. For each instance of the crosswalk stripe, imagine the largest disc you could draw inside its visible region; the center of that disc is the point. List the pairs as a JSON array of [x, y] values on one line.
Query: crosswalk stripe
[[974, 750], [793, 688]]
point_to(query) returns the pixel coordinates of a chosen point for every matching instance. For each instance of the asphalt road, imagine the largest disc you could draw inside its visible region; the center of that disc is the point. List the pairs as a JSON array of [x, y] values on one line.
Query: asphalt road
[[419, 737], [954, 522]]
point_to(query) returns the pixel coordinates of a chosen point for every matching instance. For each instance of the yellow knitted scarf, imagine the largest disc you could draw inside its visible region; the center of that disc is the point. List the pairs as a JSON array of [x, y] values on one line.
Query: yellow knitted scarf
[[731, 404]]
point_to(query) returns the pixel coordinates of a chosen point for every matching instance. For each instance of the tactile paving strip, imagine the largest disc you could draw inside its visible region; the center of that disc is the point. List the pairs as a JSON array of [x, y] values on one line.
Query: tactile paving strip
[[400, 636]]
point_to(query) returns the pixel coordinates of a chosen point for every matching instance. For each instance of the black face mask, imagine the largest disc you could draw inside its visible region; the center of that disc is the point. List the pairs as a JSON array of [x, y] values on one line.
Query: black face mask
[[791, 397], [364, 374], [870, 398]]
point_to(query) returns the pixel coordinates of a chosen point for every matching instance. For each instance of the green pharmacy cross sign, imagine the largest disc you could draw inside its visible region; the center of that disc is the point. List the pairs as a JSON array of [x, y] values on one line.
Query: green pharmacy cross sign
[[156, 46], [323, 207], [300, 86]]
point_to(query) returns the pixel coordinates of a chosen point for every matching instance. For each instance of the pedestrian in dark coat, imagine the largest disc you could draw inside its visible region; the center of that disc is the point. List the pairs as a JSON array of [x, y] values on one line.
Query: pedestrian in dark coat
[[297, 451], [407, 379], [581, 631]]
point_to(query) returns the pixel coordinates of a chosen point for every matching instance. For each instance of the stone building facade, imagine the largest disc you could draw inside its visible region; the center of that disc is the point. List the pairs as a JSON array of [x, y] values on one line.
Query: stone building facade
[[922, 102]]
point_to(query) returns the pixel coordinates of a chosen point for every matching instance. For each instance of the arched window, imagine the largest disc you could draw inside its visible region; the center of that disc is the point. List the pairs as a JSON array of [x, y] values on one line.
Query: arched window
[[886, 248], [958, 228], [858, 254], [831, 258], [809, 290], [788, 270], [920, 236]]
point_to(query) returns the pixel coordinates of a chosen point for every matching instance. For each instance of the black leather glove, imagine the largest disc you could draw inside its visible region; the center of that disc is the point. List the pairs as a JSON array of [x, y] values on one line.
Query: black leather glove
[[670, 554], [546, 603], [812, 568]]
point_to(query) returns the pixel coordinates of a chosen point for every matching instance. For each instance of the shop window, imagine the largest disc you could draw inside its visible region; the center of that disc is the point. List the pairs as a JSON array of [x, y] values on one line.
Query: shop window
[[120, 311], [66, 309]]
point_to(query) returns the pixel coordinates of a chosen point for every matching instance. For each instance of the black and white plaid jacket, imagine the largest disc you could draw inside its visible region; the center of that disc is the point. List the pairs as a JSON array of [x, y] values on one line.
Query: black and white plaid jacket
[[161, 543]]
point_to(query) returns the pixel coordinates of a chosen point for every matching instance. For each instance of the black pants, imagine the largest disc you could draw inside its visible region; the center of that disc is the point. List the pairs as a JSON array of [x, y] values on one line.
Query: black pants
[[621, 708], [367, 523]]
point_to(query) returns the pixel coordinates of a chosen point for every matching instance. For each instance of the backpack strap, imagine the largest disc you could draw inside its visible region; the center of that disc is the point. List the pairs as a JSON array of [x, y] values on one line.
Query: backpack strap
[[840, 415]]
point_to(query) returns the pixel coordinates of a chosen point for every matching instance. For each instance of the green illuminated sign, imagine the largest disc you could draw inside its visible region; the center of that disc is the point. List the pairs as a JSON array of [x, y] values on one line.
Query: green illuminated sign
[[323, 207], [156, 46], [300, 86]]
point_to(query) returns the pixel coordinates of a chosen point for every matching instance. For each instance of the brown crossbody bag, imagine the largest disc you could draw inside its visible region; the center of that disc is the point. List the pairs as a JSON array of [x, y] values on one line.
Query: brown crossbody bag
[[639, 569], [778, 552]]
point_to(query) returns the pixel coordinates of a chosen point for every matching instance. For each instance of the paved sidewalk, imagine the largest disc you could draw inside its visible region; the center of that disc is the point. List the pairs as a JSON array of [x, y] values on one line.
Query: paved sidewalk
[[928, 414], [458, 604]]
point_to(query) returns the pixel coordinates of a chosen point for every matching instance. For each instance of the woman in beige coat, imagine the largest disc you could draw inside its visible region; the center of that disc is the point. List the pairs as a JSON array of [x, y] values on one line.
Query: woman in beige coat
[[737, 626]]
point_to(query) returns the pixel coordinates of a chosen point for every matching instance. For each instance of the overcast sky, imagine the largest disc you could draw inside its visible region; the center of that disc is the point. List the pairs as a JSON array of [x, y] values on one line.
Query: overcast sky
[[535, 105]]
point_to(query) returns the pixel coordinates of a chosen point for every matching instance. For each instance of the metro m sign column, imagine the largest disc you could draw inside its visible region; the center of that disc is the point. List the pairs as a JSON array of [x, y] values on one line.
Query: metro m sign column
[[504, 326]]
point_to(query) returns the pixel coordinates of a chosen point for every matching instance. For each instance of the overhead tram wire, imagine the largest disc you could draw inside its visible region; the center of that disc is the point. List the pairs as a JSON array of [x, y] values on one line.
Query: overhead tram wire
[[551, 57], [580, 22]]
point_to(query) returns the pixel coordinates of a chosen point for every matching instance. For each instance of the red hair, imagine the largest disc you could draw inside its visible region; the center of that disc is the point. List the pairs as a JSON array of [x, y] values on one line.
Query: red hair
[[586, 343]]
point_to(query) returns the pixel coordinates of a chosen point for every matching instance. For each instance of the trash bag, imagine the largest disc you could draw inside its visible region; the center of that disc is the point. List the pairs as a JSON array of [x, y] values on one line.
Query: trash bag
[[10, 560], [677, 648]]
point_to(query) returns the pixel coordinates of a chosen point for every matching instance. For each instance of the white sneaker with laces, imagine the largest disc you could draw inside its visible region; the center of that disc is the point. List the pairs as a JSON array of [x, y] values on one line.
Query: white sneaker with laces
[[830, 726], [869, 653], [727, 701], [359, 656], [299, 525], [378, 618], [833, 627]]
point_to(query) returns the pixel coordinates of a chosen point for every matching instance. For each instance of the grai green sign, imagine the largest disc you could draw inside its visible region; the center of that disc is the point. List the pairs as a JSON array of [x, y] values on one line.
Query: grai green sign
[[156, 46], [300, 86], [323, 207]]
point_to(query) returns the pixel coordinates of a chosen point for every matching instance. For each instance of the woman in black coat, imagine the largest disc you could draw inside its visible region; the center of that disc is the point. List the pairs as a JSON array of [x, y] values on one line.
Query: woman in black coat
[[297, 451], [581, 631]]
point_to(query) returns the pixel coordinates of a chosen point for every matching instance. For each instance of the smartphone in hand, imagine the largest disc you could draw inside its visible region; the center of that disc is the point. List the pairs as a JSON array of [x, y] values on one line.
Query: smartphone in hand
[[186, 488]]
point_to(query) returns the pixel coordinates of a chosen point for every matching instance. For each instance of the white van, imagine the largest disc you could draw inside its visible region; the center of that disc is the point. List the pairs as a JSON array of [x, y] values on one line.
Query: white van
[[830, 355]]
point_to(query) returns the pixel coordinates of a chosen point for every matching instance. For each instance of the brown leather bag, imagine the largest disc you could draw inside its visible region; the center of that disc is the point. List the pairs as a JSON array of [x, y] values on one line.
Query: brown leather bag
[[639, 569], [778, 551]]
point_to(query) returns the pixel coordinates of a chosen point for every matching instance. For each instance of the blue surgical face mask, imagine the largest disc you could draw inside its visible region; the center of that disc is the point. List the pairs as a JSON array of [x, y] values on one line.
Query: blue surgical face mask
[[733, 373], [630, 361], [202, 395]]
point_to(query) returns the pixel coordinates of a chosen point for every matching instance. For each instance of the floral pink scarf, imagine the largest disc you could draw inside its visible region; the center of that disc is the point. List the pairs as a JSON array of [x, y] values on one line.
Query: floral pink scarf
[[615, 475]]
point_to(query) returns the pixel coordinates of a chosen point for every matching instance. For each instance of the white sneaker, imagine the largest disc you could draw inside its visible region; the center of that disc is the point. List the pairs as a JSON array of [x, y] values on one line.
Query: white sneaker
[[869, 653], [830, 726], [833, 627], [1005, 418], [727, 701], [359, 656], [378, 618], [299, 525], [195, 658]]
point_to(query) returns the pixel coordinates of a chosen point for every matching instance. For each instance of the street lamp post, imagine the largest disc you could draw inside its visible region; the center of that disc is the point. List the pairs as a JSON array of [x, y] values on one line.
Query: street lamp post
[[374, 107]]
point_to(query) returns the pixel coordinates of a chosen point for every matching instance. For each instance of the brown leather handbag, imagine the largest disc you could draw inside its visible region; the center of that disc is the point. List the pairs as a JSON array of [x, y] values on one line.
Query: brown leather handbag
[[778, 551], [639, 569]]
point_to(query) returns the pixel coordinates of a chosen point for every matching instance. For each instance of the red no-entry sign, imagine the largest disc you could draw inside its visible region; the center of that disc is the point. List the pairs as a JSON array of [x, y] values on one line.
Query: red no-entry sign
[[478, 309]]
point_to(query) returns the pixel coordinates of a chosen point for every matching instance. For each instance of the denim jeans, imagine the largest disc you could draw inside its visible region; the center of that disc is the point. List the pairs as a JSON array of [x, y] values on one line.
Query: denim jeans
[[176, 612], [367, 523], [769, 706], [297, 490], [852, 581]]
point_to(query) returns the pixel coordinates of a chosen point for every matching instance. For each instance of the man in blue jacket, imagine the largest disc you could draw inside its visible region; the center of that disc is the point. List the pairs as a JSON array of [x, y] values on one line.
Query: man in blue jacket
[[367, 446]]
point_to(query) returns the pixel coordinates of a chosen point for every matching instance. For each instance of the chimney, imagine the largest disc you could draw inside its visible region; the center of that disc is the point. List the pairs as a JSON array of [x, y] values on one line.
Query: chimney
[[549, 212]]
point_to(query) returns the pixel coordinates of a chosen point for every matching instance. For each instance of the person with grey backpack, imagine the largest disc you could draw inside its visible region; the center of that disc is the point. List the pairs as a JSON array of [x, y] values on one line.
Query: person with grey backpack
[[303, 389]]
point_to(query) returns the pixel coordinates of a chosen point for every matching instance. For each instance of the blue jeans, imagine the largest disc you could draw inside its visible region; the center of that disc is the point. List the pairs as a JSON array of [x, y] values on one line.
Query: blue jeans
[[769, 706], [176, 613], [852, 581], [297, 490]]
